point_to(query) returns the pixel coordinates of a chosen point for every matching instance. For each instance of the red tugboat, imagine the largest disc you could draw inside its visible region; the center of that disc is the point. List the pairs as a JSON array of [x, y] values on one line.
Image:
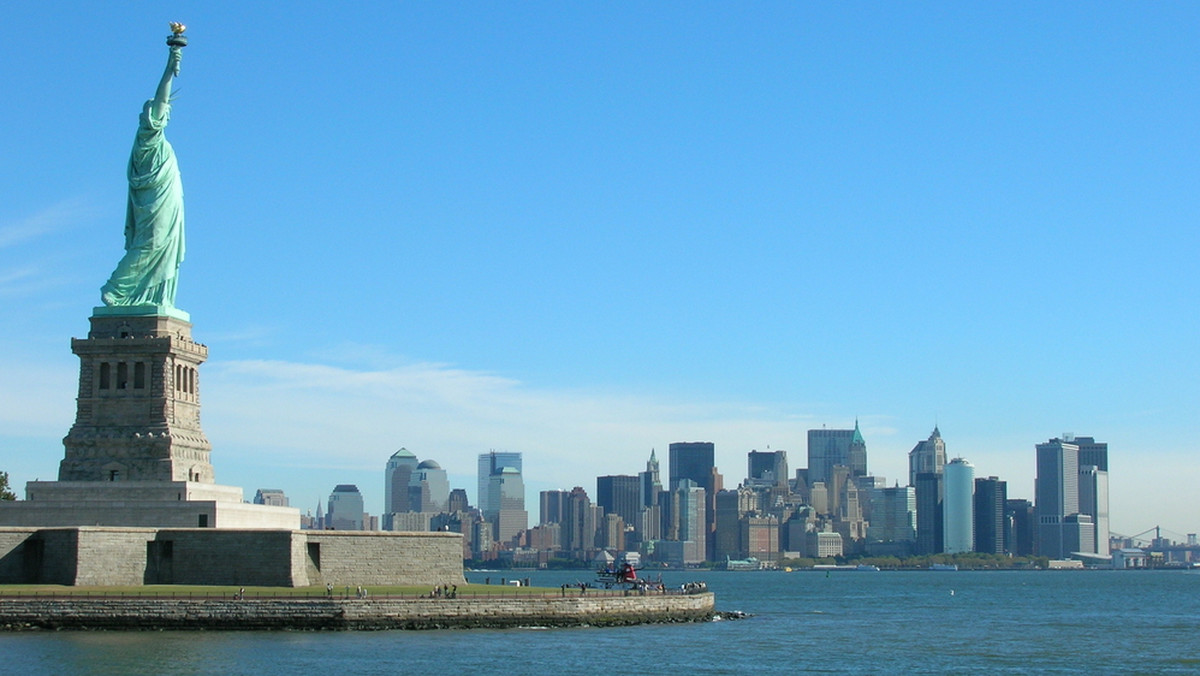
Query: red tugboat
[[624, 575]]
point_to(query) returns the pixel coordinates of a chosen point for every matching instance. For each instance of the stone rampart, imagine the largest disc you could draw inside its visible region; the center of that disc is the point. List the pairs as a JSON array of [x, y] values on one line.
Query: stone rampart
[[382, 558], [324, 613], [102, 556], [14, 556]]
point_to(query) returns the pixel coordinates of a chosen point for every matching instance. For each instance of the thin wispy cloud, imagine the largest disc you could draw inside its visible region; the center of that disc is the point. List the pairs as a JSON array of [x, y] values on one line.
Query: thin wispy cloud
[[40, 253], [17, 275], [52, 219], [301, 413]]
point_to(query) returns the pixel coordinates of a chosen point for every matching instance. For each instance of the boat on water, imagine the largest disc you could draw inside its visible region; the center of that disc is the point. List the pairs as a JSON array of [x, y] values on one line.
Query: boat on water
[[751, 563], [867, 566], [943, 566], [622, 576]]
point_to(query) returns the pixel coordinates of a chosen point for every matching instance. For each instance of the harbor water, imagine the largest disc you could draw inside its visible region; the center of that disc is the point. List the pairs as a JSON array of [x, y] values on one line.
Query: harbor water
[[802, 622]]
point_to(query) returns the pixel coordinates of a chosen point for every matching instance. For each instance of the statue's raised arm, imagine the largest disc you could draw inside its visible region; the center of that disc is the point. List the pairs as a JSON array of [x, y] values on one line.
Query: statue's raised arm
[[145, 277], [162, 97]]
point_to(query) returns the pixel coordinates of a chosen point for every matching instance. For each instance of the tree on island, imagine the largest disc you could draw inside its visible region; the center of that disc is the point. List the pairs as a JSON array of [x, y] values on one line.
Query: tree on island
[[5, 494]]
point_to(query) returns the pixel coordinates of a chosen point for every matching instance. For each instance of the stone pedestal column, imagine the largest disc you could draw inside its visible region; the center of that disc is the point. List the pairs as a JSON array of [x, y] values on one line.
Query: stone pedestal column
[[138, 414]]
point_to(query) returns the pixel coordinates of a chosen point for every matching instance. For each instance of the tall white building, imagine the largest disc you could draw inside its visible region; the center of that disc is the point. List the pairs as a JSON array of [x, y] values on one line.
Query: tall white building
[[958, 531], [1093, 501]]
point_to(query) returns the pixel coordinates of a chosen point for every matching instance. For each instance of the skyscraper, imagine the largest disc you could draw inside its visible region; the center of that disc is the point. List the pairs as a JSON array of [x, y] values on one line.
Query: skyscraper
[[1093, 501], [928, 487], [345, 508], [1092, 452], [1093, 488], [760, 536], [694, 461], [927, 456], [1079, 528], [958, 507], [767, 468], [619, 494], [428, 488], [506, 492], [552, 506], [649, 482], [270, 496], [1056, 495], [611, 532], [395, 481], [578, 527], [727, 536], [837, 484], [691, 460], [693, 531], [820, 499], [991, 496], [827, 448], [491, 463], [894, 518], [458, 501], [1021, 529]]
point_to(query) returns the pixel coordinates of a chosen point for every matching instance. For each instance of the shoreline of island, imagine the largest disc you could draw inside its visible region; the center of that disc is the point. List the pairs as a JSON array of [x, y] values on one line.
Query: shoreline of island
[[114, 613]]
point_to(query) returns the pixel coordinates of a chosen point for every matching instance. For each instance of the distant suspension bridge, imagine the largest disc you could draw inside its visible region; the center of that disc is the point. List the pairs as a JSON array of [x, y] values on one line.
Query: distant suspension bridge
[[1173, 547]]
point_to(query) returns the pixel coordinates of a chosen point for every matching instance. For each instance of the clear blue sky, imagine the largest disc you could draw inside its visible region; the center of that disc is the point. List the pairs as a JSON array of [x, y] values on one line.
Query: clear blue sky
[[585, 230]]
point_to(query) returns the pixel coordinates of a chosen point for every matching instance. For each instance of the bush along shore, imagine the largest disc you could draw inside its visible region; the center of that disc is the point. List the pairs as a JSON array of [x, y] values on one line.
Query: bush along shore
[[238, 612]]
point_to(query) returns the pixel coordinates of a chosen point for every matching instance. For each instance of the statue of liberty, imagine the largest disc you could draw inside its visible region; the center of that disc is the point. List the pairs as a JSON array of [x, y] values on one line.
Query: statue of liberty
[[154, 241]]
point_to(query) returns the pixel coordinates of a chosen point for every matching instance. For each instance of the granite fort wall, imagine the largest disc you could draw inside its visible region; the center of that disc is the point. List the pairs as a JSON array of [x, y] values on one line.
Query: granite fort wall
[[97, 556], [93, 613], [381, 558], [102, 556], [13, 554], [229, 557], [71, 556]]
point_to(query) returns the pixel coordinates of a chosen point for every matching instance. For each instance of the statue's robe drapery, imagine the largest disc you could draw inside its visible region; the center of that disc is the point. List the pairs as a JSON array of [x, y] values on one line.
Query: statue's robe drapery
[[154, 241]]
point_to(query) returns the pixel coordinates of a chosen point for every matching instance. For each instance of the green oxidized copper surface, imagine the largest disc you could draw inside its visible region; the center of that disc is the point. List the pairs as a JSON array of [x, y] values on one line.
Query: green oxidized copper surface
[[145, 280]]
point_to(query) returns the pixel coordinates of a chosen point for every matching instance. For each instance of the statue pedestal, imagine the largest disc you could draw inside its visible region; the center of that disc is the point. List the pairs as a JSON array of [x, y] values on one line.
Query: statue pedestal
[[141, 311], [138, 405], [142, 504]]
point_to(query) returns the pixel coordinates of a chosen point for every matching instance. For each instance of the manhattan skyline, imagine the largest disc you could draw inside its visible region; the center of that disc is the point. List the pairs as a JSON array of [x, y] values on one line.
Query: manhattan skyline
[[581, 233]]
